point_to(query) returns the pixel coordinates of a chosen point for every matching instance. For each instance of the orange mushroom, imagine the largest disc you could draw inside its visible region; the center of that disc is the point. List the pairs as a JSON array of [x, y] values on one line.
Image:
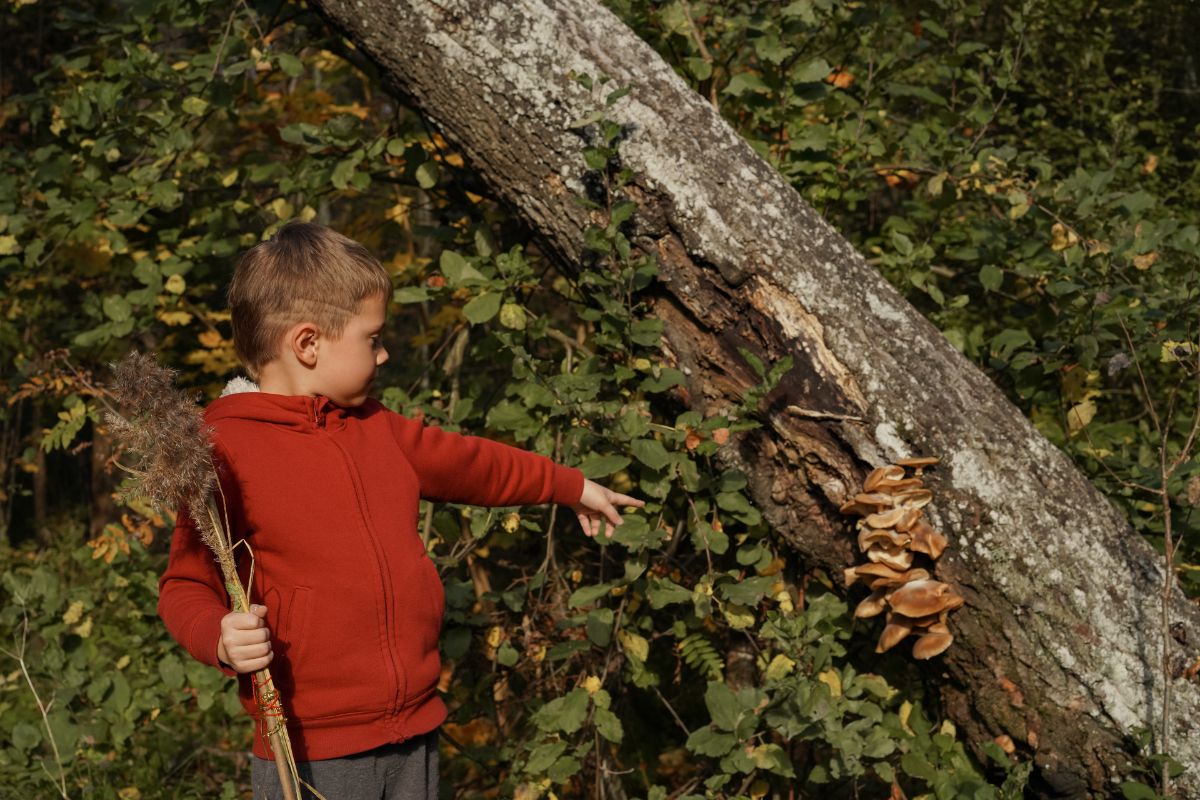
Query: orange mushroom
[[898, 626]]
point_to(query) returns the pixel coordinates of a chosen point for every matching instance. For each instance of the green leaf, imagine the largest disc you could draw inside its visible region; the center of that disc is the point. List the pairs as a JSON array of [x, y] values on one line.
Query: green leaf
[[344, 171], [25, 736], [599, 626], [598, 466], [506, 655], [608, 725], [664, 592], [427, 174], [543, 756], [411, 294], [722, 705], [812, 72], [588, 594], [483, 307], [196, 106], [1136, 790], [991, 277], [171, 671], [651, 453], [562, 769], [116, 308], [707, 742], [291, 65], [457, 270], [746, 82], [572, 710]]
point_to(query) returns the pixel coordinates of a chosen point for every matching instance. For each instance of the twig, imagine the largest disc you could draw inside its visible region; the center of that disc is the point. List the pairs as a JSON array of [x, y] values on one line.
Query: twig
[[43, 708]]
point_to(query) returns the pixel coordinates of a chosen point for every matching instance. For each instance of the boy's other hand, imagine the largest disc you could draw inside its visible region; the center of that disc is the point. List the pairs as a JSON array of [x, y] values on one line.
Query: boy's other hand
[[598, 505], [245, 643]]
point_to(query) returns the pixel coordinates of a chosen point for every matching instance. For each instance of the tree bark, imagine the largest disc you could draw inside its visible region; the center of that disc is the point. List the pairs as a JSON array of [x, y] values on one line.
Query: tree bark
[[1058, 645]]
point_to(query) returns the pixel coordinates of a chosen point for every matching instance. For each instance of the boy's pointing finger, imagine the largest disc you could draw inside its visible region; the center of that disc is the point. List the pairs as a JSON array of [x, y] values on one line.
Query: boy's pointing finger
[[626, 500]]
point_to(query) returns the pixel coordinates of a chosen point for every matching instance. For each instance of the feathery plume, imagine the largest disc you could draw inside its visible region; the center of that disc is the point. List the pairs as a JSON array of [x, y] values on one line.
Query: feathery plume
[[164, 428]]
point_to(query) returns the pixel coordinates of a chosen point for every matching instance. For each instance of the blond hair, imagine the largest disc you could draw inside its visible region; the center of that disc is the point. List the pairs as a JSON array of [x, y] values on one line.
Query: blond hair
[[304, 273]]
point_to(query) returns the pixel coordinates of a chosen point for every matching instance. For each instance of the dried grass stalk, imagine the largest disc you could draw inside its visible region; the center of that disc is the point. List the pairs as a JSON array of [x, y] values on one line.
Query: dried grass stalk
[[164, 428]]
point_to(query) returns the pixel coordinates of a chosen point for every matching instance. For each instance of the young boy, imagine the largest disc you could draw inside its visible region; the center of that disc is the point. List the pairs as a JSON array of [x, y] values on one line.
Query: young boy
[[323, 482]]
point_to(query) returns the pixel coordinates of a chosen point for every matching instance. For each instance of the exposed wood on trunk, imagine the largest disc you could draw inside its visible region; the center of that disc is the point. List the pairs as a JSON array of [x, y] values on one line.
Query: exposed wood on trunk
[[1057, 646]]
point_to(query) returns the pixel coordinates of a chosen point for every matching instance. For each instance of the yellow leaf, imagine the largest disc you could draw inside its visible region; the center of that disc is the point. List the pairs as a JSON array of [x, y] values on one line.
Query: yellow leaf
[[229, 178], [739, 617], [1061, 237], [74, 613], [175, 317], [779, 667], [592, 685], [282, 208], [1176, 351], [634, 644], [512, 316], [84, 629], [8, 245], [399, 212], [123, 662], [1080, 415], [175, 284], [307, 213], [495, 635], [1145, 260], [833, 680], [210, 338], [130, 793], [904, 713], [949, 729]]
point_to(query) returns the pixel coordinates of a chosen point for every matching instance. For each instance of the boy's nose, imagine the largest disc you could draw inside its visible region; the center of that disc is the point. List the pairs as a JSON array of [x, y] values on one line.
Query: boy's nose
[[381, 356]]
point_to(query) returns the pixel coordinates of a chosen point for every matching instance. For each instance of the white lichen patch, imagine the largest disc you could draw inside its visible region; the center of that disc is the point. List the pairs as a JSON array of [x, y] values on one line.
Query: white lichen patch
[[971, 471], [890, 440]]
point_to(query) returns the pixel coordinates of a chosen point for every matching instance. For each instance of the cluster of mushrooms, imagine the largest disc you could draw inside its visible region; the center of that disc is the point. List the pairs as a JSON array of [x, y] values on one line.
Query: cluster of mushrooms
[[892, 532]]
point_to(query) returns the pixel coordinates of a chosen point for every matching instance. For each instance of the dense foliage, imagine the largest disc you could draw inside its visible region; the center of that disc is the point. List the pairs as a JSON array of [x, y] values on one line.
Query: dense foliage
[[1024, 175]]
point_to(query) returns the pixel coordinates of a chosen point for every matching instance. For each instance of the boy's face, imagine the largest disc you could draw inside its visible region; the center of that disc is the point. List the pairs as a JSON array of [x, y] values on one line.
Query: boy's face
[[346, 366]]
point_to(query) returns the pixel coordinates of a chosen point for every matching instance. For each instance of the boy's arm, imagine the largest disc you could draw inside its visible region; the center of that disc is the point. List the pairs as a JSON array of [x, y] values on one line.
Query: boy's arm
[[471, 469], [191, 594]]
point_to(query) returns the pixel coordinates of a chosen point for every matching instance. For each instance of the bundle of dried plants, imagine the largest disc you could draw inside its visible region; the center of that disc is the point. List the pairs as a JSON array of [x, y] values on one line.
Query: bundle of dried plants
[[164, 429]]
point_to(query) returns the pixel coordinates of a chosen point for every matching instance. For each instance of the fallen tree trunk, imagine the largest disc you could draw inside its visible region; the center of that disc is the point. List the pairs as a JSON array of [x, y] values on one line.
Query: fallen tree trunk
[[1057, 646]]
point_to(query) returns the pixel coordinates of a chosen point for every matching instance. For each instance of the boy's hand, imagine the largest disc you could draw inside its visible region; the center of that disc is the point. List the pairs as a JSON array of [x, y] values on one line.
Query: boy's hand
[[245, 643], [597, 505]]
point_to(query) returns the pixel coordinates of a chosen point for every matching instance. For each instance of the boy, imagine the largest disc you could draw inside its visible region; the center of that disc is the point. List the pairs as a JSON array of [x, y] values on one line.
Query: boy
[[323, 482]]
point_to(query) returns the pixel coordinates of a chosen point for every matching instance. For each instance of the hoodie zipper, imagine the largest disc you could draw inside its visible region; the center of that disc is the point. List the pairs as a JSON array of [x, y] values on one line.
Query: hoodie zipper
[[318, 419]]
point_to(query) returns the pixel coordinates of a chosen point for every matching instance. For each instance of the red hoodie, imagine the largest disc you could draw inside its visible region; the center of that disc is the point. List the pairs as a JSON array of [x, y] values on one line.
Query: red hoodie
[[327, 498]]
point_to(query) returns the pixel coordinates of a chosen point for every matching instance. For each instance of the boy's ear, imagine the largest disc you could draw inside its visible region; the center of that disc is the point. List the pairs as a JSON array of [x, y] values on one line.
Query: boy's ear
[[302, 343]]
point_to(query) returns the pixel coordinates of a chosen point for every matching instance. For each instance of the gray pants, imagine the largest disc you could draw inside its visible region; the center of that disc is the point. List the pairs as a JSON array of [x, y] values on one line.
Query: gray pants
[[405, 771]]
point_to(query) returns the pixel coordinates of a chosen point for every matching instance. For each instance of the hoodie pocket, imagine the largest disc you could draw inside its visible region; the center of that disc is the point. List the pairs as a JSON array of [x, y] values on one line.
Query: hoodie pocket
[[295, 622]]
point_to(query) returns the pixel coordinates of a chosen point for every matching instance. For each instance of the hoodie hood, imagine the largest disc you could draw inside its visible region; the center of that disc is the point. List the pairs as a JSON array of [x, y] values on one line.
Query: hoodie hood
[[242, 399]]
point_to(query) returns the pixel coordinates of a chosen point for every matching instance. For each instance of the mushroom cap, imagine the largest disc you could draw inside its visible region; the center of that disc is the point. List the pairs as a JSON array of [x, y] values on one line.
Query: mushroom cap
[[886, 519], [874, 604], [917, 497], [869, 536], [928, 622], [895, 578], [924, 597], [894, 557], [890, 472], [931, 644], [926, 540], [890, 485], [894, 631], [910, 518], [865, 503], [918, 461]]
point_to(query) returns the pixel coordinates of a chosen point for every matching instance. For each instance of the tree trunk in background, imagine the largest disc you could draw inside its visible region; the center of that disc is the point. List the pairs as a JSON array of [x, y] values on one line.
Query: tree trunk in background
[[103, 483], [1058, 645]]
